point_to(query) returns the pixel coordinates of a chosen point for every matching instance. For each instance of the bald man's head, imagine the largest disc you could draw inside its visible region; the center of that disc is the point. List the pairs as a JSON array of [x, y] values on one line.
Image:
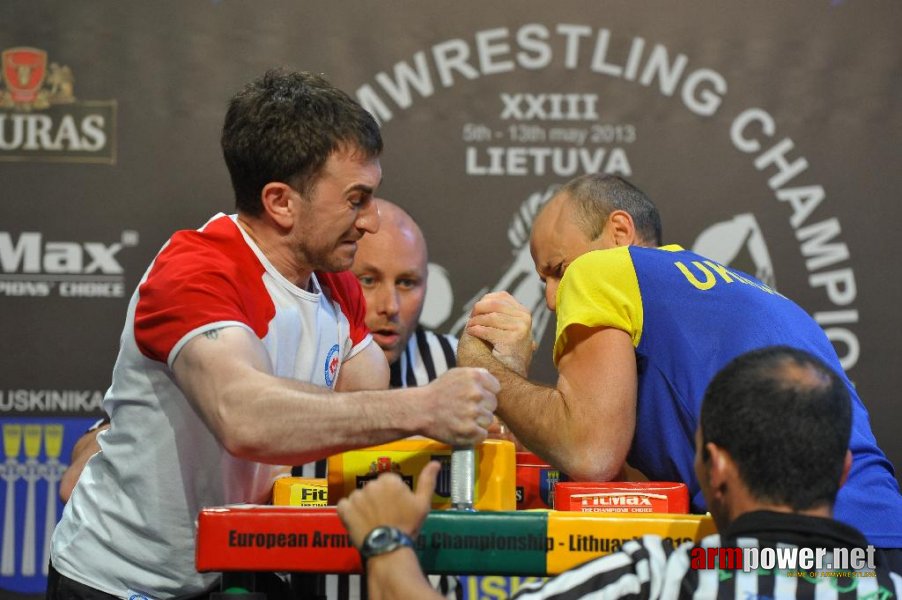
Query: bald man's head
[[591, 212], [391, 266]]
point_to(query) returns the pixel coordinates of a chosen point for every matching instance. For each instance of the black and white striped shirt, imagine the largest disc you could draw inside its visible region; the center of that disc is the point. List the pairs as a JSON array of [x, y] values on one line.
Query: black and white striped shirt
[[650, 567], [426, 356]]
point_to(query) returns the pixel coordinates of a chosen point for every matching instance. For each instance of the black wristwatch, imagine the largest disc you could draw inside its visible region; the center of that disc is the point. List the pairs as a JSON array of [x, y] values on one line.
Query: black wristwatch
[[384, 539]]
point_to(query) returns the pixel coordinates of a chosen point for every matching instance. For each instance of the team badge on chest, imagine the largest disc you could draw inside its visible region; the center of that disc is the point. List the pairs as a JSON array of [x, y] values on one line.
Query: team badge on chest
[[330, 368]]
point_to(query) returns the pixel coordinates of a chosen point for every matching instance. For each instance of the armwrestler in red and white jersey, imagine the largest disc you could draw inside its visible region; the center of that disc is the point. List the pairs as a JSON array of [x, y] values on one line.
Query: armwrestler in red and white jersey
[[245, 349]]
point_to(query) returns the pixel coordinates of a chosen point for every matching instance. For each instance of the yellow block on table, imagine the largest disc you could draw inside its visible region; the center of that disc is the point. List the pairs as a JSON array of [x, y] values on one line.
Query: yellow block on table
[[495, 487], [576, 537], [300, 491]]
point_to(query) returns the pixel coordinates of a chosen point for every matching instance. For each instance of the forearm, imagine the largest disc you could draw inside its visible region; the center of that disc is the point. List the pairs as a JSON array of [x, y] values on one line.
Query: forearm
[[544, 421], [86, 447], [397, 575], [227, 378], [281, 421], [71, 474], [388, 502], [563, 425]]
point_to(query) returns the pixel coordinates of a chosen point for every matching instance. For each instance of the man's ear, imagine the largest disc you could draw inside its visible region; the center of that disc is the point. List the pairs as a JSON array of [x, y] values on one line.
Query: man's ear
[[622, 228], [721, 468], [277, 199], [846, 467]]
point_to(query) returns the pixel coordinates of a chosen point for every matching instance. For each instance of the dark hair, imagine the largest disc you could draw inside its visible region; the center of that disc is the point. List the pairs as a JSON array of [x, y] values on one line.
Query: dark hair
[[284, 126], [785, 418], [596, 196]]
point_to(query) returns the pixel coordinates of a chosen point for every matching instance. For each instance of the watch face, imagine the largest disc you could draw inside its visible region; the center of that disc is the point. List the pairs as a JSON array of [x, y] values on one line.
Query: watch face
[[384, 539], [380, 537]]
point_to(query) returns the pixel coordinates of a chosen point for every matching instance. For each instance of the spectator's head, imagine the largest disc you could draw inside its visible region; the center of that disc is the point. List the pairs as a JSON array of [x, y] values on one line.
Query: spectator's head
[[774, 433], [591, 212], [391, 266]]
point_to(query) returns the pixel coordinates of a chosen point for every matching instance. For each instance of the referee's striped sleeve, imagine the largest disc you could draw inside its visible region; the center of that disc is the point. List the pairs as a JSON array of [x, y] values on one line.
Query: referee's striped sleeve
[[426, 356], [637, 570]]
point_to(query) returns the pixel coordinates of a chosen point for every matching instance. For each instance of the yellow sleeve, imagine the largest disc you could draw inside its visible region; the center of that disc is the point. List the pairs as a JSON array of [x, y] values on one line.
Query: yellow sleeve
[[599, 289]]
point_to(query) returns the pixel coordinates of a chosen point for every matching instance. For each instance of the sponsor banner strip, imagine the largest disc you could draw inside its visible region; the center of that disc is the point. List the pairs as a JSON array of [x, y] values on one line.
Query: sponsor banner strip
[[501, 543], [290, 538], [579, 537]]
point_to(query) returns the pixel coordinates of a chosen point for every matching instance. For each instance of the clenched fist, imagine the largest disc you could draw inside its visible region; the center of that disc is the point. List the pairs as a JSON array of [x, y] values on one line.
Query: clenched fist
[[506, 325], [460, 404]]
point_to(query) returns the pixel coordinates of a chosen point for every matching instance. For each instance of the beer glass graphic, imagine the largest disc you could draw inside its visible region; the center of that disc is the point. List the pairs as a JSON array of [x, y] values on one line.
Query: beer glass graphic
[[10, 471], [31, 474], [29, 437], [52, 471]]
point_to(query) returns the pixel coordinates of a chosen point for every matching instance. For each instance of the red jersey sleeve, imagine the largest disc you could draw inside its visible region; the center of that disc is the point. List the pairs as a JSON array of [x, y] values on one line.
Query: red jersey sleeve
[[200, 278]]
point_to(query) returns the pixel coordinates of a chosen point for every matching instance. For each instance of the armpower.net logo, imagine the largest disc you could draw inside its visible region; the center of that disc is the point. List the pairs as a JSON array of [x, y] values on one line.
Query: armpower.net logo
[[41, 118], [837, 562]]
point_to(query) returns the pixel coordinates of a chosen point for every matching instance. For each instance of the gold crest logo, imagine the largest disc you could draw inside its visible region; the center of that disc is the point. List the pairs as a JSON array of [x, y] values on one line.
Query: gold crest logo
[[42, 120], [29, 84]]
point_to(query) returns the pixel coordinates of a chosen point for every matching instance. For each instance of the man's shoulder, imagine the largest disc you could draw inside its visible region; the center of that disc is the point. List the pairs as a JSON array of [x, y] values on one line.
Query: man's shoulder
[[342, 286], [608, 257], [650, 559], [219, 239], [624, 257], [203, 276], [216, 251]]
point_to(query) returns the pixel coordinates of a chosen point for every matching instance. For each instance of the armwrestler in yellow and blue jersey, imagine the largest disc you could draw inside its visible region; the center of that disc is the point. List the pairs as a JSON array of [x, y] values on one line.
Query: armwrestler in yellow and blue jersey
[[688, 317], [641, 330]]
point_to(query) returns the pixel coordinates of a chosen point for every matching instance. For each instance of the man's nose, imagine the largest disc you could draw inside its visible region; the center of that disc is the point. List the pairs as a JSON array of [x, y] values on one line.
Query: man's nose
[[388, 300], [368, 217], [551, 294]]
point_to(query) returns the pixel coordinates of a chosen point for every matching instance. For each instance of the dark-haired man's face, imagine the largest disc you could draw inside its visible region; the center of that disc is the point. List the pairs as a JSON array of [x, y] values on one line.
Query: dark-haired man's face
[[337, 212]]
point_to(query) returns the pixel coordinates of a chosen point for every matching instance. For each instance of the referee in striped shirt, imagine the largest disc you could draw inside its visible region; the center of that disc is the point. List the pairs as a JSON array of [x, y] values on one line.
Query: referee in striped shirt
[[771, 454], [391, 266]]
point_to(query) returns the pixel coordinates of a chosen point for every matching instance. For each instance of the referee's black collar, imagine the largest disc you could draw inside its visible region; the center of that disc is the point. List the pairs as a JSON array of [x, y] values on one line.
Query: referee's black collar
[[793, 528]]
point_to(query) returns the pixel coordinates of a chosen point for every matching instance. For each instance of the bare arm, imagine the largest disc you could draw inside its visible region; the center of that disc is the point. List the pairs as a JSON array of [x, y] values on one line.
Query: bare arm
[[398, 576], [585, 425], [388, 501], [367, 370], [227, 377], [85, 447]]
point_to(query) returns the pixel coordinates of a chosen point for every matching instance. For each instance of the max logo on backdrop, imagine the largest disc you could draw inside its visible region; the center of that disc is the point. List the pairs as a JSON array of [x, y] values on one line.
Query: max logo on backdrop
[[41, 119]]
